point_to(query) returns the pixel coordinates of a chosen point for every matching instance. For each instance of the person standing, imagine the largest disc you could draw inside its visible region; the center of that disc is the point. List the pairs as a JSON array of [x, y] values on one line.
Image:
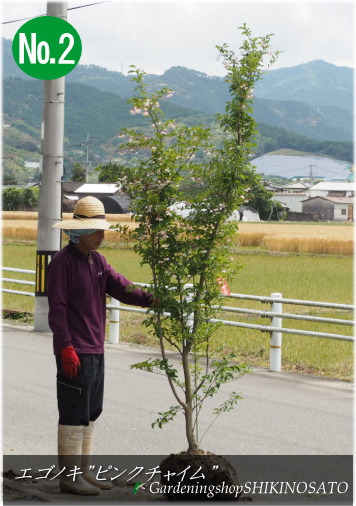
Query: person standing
[[77, 282]]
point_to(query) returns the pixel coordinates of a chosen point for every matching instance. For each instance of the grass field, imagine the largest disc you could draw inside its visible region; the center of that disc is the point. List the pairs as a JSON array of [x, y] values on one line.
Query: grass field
[[326, 278]]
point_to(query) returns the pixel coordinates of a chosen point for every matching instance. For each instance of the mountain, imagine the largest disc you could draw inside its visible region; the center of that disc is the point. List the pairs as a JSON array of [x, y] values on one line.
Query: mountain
[[322, 123], [314, 99], [107, 115], [316, 83], [96, 103]]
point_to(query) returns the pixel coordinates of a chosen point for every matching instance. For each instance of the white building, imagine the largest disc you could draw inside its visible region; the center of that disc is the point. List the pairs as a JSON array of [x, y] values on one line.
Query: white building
[[98, 188], [296, 187], [292, 201], [332, 189]]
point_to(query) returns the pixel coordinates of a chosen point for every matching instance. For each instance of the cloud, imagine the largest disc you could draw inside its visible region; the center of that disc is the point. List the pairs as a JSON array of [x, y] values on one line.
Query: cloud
[[158, 35]]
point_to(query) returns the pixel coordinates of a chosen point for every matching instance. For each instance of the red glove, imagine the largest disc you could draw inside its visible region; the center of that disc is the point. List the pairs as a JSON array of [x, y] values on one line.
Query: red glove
[[70, 362]]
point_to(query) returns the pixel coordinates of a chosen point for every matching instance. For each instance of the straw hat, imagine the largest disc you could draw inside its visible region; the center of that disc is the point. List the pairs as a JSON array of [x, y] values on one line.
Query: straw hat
[[89, 212]]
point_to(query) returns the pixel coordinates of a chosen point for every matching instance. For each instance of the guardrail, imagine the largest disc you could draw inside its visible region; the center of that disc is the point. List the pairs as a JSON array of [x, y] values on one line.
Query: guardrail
[[276, 315]]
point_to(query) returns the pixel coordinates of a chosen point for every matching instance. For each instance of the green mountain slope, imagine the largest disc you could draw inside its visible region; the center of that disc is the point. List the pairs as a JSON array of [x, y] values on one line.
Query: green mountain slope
[[88, 109], [329, 122], [313, 99], [104, 114], [317, 83]]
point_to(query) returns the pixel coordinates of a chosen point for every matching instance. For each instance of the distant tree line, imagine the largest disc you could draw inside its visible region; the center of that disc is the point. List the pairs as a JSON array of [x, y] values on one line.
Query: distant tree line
[[20, 199]]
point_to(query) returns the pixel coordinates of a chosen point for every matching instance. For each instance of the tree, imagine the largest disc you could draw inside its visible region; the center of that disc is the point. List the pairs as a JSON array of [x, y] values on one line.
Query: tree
[[29, 198], [109, 173], [78, 173], [188, 255], [11, 199], [260, 199]]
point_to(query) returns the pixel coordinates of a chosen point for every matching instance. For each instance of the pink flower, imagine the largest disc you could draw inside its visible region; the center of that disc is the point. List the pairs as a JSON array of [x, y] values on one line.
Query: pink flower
[[135, 110]]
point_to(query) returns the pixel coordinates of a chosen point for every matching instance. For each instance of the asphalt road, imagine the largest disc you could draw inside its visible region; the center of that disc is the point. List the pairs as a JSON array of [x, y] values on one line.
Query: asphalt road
[[281, 413]]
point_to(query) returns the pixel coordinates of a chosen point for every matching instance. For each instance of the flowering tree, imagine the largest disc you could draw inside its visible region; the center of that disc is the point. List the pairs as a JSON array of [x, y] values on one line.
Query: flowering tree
[[189, 254]]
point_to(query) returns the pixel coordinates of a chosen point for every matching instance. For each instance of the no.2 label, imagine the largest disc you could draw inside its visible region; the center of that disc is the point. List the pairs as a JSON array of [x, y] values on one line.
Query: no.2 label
[[47, 48]]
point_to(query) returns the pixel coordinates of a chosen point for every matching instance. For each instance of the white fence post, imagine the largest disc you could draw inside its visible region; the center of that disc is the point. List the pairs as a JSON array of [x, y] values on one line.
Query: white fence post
[[275, 353], [114, 326]]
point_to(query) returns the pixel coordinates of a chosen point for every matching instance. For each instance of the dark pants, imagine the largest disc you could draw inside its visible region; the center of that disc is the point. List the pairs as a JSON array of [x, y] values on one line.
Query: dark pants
[[80, 400]]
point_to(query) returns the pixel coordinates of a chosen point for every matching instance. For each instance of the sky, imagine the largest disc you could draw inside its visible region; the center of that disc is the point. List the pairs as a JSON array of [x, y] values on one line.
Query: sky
[[156, 36]]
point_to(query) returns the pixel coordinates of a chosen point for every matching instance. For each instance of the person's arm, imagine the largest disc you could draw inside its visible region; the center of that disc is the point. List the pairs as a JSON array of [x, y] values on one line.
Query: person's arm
[[58, 280], [121, 288]]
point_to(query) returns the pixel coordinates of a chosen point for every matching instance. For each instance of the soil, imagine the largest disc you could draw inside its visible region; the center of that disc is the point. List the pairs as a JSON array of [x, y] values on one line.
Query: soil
[[199, 476]]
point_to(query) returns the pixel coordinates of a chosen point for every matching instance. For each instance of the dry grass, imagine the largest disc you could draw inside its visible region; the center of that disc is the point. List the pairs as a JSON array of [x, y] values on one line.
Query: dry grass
[[313, 238], [311, 245], [331, 230], [326, 239], [19, 215], [314, 246], [19, 233], [19, 225], [33, 216]]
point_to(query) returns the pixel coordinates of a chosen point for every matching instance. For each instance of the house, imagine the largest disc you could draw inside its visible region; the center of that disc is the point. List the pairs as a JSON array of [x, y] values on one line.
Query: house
[[272, 187], [291, 201], [332, 189], [109, 193], [330, 208], [296, 187], [97, 190]]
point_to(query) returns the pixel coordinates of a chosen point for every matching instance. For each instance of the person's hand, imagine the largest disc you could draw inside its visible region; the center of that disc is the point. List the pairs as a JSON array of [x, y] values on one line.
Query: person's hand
[[70, 362]]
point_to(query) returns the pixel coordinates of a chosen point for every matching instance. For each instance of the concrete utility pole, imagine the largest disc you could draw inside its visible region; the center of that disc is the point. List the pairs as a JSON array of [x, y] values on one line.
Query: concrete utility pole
[[86, 143], [50, 201], [311, 173]]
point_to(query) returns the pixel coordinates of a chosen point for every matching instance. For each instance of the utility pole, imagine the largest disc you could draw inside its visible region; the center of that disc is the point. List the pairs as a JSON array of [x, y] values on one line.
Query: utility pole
[[311, 173], [88, 141], [50, 200]]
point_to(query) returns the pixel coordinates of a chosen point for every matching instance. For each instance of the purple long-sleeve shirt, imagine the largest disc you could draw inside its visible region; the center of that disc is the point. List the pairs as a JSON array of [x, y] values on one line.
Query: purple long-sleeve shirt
[[77, 288]]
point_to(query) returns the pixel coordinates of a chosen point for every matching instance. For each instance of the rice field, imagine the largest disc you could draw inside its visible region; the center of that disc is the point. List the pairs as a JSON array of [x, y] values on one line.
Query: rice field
[[313, 238]]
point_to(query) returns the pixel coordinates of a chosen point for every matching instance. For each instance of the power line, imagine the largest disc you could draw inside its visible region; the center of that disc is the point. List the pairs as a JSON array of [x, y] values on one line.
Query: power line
[[23, 19], [88, 5], [41, 15]]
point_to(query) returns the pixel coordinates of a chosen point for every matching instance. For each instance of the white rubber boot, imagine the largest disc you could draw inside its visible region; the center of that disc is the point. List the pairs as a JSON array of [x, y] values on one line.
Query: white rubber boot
[[87, 450], [70, 439]]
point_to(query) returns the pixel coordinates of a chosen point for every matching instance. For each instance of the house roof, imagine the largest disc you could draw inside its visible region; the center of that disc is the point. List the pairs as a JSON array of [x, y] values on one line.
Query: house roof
[[71, 186], [296, 186], [287, 195], [333, 186], [108, 188], [336, 200]]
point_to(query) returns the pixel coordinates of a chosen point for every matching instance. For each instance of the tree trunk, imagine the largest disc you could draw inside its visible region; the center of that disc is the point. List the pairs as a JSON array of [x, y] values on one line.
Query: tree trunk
[[192, 442], [188, 410]]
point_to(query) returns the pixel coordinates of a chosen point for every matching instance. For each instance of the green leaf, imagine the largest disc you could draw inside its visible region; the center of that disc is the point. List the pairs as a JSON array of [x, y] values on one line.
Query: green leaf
[[166, 417]]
